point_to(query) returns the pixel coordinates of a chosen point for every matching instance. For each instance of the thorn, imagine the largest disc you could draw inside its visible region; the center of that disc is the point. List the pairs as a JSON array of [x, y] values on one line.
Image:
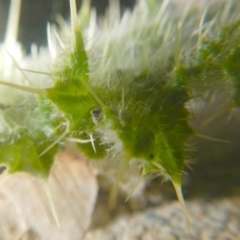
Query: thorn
[[39, 91], [38, 72], [51, 46], [53, 41], [16, 64], [178, 190], [134, 187], [80, 140], [74, 20], [119, 174], [92, 141], [212, 138], [200, 27], [13, 21], [90, 90], [54, 143], [51, 202], [177, 45]]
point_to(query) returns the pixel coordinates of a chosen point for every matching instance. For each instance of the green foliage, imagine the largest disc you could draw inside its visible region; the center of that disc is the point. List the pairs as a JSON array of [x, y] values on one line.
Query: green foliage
[[215, 65], [146, 110], [21, 147], [148, 114], [70, 93], [140, 109], [22, 155]]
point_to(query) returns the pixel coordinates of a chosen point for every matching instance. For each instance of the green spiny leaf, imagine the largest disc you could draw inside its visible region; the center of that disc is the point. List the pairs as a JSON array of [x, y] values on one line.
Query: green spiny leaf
[[22, 155], [31, 131], [69, 92]]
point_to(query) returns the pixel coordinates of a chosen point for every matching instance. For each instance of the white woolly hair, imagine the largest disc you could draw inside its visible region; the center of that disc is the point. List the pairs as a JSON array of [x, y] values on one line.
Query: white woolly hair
[[139, 40], [120, 47]]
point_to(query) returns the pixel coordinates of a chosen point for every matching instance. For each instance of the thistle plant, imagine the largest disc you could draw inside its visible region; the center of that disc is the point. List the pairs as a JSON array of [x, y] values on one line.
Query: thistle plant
[[119, 87]]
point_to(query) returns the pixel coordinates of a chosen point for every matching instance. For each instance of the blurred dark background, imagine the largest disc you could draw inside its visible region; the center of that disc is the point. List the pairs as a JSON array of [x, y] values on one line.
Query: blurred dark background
[[35, 15]]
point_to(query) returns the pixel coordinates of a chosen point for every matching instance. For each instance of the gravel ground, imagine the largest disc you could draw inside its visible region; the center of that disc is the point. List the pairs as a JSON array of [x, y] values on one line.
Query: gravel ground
[[219, 220]]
